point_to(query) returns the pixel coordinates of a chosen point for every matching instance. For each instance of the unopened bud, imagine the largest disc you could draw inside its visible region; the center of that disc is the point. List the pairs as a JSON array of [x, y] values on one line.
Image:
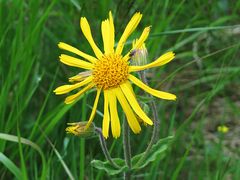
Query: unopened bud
[[139, 56], [78, 129]]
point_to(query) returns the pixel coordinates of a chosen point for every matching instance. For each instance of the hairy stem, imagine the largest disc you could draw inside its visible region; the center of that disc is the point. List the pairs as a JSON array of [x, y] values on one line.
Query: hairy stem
[[127, 175], [126, 144], [155, 133], [104, 147], [127, 149]]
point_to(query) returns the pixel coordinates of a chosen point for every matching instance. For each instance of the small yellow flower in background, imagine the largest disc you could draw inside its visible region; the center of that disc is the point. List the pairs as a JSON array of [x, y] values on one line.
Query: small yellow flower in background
[[109, 72], [223, 129], [78, 129]]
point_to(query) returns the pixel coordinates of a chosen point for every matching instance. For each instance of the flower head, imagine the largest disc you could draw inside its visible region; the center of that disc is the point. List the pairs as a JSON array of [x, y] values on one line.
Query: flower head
[[78, 129], [110, 72]]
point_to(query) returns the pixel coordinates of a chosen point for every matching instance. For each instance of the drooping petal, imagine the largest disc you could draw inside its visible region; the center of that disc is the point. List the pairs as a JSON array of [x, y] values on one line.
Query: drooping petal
[[67, 88], [126, 89], [115, 123], [94, 109], [75, 62], [72, 98], [131, 26], [80, 76], [106, 117], [154, 92], [105, 35], [74, 50], [131, 118], [139, 42], [88, 34], [164, 59]]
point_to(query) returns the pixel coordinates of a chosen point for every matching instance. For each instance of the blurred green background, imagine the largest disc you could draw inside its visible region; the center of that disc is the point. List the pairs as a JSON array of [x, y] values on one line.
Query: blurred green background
[[205, 76]]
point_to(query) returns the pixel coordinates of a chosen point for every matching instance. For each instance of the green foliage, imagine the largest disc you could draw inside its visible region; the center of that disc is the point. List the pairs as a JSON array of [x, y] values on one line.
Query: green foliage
[[158, 151], [11, 166], [108, 168], [17, 139]]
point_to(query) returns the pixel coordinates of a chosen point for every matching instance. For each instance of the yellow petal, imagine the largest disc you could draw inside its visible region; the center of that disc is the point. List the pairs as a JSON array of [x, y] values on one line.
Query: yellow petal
[[87, 33], [111, 33], [139, 42], [67, 88], [75, 78], [105, 35], [94, 109], [142, 38], [154, 92], [115, 123], [164, 59], [126, 89], [131, 26], [75, 62], [131, 118], [106, 117], [74, 50], [72, 98]]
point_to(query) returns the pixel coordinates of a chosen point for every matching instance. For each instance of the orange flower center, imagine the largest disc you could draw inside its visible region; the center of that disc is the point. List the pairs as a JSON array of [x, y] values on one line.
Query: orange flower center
[[110, 71]]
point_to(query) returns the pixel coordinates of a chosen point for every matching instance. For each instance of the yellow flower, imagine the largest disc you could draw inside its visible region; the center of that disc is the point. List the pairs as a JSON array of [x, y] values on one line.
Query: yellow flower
[[223, 129], [109, 72]]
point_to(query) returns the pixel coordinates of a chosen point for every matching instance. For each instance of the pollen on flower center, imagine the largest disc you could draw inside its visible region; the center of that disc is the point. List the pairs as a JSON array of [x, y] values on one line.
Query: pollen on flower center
[[110, 71]]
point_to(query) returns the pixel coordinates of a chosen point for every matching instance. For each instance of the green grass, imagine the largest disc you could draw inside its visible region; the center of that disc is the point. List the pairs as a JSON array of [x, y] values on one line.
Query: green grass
[[205, 77]]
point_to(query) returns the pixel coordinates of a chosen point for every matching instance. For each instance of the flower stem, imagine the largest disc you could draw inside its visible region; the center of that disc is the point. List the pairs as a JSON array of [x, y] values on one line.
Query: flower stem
[[104, 147], [127, 149], [127, 175], [155, 133]]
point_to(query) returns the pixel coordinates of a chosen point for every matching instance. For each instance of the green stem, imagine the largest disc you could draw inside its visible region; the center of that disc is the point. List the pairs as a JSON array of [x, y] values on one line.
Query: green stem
[[155, 134], [126, 144], [127, 149], [82, 142], [127, 175], [82, 159], [104, 147]]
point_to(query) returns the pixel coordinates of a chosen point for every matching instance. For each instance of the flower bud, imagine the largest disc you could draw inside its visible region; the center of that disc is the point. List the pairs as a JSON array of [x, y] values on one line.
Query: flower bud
[[78, 129], [139, 56]]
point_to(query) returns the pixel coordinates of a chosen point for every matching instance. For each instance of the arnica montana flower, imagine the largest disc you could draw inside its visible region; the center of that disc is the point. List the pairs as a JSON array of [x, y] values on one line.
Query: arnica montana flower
[[110, 72]]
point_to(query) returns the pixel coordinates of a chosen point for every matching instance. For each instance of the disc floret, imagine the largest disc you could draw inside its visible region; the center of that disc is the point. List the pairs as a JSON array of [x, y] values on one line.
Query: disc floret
[[110, 71]]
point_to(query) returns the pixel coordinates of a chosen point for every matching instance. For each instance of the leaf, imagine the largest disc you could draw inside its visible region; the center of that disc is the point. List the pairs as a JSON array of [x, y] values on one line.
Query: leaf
[[107, 167], [11, 166], [13, 138], [158, 151]]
